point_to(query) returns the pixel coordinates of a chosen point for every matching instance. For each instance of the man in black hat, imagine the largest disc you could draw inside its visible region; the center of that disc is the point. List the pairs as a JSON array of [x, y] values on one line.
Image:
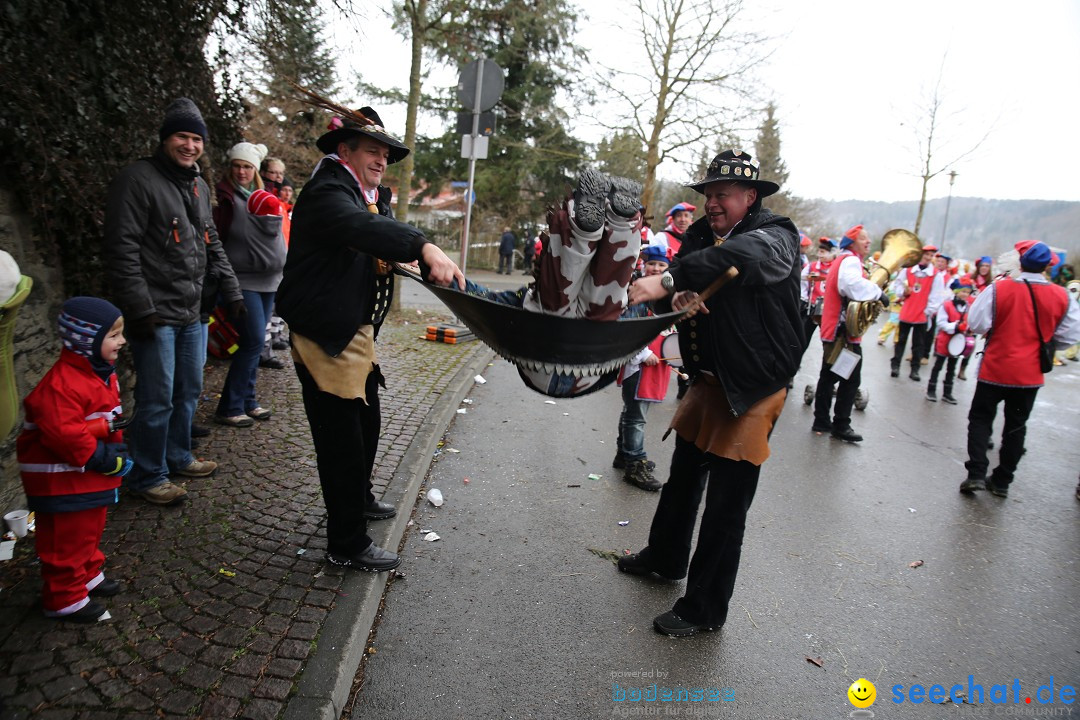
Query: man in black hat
[[741, 348], [334, 296], [160, 244]]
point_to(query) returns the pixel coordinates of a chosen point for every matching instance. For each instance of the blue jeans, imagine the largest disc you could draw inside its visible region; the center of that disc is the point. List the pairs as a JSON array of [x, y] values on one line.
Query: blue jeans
[[168, 380], [238, 394], [632, 421]]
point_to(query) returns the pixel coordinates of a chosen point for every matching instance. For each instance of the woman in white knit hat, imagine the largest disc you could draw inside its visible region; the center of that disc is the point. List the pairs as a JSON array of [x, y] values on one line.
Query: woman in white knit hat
[[256, 248]]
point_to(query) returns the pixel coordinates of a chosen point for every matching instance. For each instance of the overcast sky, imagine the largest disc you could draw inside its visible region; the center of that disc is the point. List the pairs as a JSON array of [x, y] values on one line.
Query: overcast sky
[[847, 76]]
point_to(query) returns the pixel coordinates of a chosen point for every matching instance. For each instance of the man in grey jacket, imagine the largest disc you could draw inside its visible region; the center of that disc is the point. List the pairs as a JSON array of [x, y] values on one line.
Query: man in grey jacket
[[160, 246]]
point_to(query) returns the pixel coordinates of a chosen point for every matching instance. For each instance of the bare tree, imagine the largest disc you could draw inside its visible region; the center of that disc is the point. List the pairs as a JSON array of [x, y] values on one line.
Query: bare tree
[[935, 129], [423, 17], [695, 83]]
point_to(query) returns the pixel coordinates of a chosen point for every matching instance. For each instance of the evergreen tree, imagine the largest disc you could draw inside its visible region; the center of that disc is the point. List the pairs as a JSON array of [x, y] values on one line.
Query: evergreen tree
[[803, 212], [622, 154], [291, 48], [767, 149], [532, 156]]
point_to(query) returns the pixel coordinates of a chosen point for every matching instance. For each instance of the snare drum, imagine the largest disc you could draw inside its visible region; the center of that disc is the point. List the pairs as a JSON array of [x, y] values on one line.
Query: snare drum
[[669, 350], [961, 345]]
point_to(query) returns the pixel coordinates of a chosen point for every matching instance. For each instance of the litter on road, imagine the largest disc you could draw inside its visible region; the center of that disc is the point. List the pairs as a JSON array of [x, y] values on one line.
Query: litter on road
[[434, 496], [479, 380], [431, 537]]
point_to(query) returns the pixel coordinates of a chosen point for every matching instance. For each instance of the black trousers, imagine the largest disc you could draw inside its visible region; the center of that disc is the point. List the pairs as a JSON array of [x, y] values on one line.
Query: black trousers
[[1018, 404], [845, 394], [346, 438], [809, 326], [950, 370], [920, 344], [729, 487]]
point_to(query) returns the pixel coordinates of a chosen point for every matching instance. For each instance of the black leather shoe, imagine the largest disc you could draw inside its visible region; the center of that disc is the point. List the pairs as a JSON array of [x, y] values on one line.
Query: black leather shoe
[[822, 427], [380, 510], [895, 372], [373, 559], [635, 565], [198, 431], [91, 612], [948, 399], [846, 434], [272, 363], [671, 624], [106, 588], [970, 485], [915, 376], [995, 489]]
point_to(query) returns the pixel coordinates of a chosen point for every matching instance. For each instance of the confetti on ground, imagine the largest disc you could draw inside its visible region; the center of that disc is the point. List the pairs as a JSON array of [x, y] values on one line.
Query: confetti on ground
[[915, 563], [226, 573], [479, 380], [624, 523], [549, 402], [819, 661], [594, 476]]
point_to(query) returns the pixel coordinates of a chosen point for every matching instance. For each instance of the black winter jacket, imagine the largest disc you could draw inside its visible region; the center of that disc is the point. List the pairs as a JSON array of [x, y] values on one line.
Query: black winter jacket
[[330, 288], [160, 242], [752, 337]]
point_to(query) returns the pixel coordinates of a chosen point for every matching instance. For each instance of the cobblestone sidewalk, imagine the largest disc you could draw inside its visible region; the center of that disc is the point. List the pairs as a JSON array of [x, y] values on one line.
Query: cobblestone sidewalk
[[223, 597]]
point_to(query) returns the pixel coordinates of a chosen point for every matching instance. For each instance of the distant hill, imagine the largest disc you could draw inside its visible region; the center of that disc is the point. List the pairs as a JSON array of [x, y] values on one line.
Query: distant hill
[[976, 226]]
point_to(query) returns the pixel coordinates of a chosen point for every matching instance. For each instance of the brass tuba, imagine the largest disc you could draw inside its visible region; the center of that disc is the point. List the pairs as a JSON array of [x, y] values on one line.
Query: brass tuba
[[899, 248]]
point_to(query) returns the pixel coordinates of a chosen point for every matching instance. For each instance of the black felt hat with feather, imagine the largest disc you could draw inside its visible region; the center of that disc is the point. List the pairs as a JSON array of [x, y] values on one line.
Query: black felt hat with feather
[[347, 123]]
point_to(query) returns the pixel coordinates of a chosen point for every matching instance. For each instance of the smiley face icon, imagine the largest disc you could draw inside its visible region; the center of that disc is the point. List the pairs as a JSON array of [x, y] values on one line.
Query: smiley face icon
[[862, 693]]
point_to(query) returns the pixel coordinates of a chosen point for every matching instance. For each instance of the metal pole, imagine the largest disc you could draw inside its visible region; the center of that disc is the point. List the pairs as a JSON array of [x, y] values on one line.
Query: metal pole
[[472, 163], [948, 203]]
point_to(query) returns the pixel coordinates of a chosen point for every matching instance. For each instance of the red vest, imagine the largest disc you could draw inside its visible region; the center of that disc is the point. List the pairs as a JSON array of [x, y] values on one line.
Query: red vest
[[914, 309], [817, 289], [653, 380], [834, 302], [1011, 357], [941, 342]]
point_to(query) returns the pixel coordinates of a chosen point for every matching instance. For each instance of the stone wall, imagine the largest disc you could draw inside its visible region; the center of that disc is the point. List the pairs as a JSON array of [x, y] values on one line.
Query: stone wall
[[36, 343]]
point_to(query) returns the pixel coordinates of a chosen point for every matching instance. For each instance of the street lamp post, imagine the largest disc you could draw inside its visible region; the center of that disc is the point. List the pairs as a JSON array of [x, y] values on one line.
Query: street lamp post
[[948, 203]]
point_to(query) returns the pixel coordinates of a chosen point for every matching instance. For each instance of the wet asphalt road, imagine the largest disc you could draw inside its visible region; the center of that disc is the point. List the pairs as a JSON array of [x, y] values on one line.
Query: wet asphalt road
[[509, 614]]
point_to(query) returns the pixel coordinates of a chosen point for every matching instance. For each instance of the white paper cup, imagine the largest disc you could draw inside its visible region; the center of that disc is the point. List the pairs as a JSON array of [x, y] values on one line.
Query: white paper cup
[[16, 520]]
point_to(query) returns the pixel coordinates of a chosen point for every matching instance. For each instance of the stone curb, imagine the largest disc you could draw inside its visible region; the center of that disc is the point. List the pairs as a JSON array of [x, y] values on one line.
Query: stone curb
[[323, 688]]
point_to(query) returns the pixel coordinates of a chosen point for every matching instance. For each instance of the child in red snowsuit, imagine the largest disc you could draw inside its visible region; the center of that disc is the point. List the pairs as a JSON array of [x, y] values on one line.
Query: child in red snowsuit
[[71, 459]]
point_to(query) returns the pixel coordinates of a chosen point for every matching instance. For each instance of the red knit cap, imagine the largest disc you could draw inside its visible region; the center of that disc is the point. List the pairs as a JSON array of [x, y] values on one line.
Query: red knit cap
[[262, 202]]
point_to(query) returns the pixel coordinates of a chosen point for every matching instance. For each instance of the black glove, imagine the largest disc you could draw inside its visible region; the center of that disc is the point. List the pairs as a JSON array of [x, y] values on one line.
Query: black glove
[[237, 310], [884, 299], [110, 459], [143, 328]]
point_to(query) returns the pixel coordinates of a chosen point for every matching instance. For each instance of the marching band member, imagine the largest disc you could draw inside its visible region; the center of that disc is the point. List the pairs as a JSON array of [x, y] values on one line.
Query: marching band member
[[847, 280], [951, 319], [914, 285]]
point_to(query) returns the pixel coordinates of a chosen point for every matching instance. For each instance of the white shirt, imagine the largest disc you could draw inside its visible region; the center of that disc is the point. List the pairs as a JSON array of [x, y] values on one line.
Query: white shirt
[[900, 284], [939, 293], [943, 319], [850, 282], [981, 315]]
